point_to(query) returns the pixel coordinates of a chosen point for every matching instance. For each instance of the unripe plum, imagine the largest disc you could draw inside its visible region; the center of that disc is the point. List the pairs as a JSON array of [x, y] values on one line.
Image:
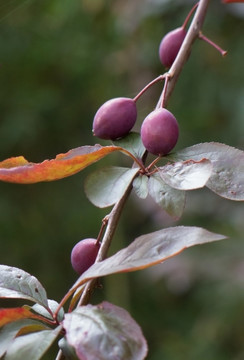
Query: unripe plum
[[160, 132], [115, 118], [84, 254], [170, 46]]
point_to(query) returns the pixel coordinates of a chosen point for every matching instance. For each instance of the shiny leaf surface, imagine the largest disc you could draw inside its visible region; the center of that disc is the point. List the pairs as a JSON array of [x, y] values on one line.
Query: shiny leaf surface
[[187, 175], [227, 179]]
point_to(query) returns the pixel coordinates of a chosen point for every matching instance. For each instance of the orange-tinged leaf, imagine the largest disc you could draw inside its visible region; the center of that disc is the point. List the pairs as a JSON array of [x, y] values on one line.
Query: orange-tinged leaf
[[13, 314], [19, 170]]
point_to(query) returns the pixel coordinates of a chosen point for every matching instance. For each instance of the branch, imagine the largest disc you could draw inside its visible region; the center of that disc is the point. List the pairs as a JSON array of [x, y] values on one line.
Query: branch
[[113, 219], [185, 50]]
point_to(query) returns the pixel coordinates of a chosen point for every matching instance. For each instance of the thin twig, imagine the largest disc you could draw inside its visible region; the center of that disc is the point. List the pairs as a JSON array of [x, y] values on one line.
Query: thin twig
[[113, 219]]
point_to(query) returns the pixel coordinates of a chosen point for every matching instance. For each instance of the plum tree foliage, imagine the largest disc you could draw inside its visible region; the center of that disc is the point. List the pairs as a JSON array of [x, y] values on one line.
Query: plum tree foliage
[[106, 331]]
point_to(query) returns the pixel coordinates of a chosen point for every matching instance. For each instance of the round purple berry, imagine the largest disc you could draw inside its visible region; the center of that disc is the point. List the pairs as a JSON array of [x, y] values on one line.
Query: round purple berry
[[84, 254], [170, 46], [115, 118], [160, 132]]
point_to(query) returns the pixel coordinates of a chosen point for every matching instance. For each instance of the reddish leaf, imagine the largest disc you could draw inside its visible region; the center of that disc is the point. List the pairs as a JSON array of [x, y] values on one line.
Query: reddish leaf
[[19, 170], [13, 314]]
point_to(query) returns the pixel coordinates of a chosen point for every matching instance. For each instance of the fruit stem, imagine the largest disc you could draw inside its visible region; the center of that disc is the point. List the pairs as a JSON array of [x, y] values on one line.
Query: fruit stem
[[167, 77], [154, 162], [189, 15], [207, 40], [137, 161], [156, 80]]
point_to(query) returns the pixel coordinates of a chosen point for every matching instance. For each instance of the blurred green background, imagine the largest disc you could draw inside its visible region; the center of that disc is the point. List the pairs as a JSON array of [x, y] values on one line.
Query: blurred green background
[[60, 60]]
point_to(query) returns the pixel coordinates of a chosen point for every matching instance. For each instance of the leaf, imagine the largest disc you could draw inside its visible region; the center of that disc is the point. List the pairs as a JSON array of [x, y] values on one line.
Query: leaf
[[19, 170], [171, 200], [148, 250], [13, 314], [67, 350], [27, 329], [106, 186], [10, 331], [227, 179], [140, 185], [53, 305], [132, 143], [187, 175], [32, 346], [104, 332], [18, 284]]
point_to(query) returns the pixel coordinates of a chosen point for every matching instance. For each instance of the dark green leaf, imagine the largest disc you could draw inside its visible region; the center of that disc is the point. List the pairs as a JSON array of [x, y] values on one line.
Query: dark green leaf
[[132, 143], [104, 332], [16, 283], [187, 175], [140, 185], [227, 179], [171, 200], [148, 250], [31, 346], [106, 186]]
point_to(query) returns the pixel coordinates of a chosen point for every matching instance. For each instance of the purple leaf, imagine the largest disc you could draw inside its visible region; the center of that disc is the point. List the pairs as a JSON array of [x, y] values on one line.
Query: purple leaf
[[104, 332], [148, 250], [187, 175], [227, 179]]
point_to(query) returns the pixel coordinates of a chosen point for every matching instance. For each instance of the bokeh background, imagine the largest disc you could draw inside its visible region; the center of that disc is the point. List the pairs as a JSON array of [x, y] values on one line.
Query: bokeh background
[[60, 60]]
